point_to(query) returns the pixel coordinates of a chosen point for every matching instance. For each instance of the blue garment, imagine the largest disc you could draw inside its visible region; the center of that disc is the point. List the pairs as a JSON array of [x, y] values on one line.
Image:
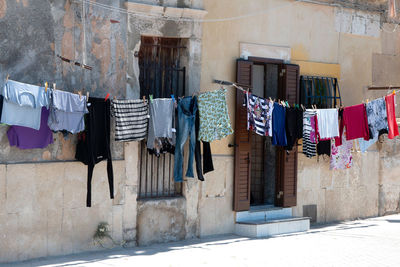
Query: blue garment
[[22, 105], [364, 145], [25, 116], [24, 94], [67, 112], [187, 108], [278, 126]]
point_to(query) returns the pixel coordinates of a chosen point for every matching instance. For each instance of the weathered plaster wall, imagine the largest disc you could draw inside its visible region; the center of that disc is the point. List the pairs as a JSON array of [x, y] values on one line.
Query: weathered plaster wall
[[33, 33], [43, 207], [55, 219], [324, 40], [216, 198]]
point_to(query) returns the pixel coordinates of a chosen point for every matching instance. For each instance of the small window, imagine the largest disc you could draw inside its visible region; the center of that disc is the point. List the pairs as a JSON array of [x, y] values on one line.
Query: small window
[[161, 75], [321, 91]]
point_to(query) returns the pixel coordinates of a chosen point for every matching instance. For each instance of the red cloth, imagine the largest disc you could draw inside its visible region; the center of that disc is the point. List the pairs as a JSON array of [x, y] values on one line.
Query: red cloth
[[391, 116], [356, 122]]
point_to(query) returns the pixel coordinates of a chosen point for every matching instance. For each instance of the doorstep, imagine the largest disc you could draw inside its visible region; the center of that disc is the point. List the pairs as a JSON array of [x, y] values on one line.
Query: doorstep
[[273, 227]]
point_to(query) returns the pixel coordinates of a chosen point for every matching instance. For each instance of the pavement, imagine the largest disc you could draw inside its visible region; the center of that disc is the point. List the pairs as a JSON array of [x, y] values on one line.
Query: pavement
[[370, 242]]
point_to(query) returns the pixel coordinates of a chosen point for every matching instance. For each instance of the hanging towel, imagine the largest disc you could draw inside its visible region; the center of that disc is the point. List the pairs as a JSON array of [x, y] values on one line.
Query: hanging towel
[[391, 116], [341, 157], [131, 119], [94, 143], [309, 133], [278, 125], [67, 111], [328, 123], [259, 115], [28, 138], [22, 104]]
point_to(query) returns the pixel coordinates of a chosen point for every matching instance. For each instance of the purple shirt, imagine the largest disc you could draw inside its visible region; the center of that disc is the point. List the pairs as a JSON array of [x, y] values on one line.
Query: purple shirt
[[28, 138]]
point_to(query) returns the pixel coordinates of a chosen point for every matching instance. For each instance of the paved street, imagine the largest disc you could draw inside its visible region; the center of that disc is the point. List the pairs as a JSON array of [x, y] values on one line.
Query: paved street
[[371, 242]]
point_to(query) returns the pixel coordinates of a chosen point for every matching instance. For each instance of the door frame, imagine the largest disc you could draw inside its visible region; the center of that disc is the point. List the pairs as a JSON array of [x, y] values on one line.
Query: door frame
[[278, 172], [286, 169]]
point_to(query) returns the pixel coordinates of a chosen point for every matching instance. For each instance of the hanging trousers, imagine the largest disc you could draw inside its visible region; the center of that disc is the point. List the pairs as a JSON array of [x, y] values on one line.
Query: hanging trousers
[[207, 158], [94, 143]]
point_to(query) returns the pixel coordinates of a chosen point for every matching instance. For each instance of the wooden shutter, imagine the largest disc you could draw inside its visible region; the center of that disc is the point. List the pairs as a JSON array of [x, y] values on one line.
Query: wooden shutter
[[286, 185], [242, 141]]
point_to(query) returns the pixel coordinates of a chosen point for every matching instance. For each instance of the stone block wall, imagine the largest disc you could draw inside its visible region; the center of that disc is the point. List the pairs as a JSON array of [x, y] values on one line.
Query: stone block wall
[[43, 208]]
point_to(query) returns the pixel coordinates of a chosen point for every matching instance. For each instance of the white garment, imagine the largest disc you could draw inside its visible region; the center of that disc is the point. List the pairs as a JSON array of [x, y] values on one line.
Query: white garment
[[328, 123]]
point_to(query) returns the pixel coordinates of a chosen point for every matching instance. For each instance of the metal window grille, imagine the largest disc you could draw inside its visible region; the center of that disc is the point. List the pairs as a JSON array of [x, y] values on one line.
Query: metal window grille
[[321, 91], [161, 76]]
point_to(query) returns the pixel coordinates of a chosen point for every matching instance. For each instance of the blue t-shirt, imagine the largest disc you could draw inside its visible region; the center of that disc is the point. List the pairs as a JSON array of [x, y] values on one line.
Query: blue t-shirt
[[23, 104], [278, 126]]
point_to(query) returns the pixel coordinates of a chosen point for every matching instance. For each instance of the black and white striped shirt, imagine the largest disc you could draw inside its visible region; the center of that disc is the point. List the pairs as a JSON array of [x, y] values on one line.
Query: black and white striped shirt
[[309, 147], [131, 119]]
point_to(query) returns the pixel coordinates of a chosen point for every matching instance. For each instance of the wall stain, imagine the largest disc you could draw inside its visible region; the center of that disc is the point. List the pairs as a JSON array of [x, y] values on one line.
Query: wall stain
[[3, 8]]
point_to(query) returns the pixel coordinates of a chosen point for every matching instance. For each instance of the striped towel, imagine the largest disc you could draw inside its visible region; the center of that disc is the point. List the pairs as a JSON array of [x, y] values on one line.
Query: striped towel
[[131, 119]]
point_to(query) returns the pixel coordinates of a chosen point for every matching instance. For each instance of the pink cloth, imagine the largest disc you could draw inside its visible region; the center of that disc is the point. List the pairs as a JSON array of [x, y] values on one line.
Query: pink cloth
[[391, 116], [356, 122]]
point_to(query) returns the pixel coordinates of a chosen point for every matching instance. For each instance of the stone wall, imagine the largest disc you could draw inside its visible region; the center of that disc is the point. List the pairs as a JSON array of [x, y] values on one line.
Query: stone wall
[[352, 45], [43, 207]]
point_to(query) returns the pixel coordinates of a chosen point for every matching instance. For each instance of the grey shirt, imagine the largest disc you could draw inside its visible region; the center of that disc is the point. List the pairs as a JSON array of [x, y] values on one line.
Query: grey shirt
[[67, 112], [161, 120]]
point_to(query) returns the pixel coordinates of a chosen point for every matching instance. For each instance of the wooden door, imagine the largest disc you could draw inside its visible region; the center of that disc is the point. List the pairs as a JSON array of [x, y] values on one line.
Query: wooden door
[[286, 183], [242, 141]]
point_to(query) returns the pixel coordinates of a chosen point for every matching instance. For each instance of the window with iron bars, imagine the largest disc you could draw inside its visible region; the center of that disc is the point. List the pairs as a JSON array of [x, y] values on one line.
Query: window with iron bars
[[161, 75], [320, 91]]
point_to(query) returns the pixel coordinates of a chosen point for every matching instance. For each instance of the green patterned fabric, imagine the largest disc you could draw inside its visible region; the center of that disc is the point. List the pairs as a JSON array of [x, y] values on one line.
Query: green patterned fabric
[[214, 118]]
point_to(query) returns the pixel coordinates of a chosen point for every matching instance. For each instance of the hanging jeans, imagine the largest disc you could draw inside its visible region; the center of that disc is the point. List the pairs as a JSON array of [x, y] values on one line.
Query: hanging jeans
[[187, 108], [207, 157]]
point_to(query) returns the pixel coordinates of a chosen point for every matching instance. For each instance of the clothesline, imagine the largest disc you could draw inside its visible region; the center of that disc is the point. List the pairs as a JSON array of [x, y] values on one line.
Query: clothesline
[[389, 88]]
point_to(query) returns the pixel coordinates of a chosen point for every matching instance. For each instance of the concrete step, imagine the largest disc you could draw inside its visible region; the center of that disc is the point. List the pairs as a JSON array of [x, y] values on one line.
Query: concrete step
[[267, 228], [263, 213]]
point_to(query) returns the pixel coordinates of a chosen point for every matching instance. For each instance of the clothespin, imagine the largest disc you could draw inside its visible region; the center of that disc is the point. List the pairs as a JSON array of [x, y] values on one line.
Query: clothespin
[[46, 85], [54, 86], [394, 92], [303, 107], [367, 100], [8, 76], [151, 98], [80, 94], [144, 99], [270, 99], [287, 104], [173, 98], [87, 96], [107, 96]]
